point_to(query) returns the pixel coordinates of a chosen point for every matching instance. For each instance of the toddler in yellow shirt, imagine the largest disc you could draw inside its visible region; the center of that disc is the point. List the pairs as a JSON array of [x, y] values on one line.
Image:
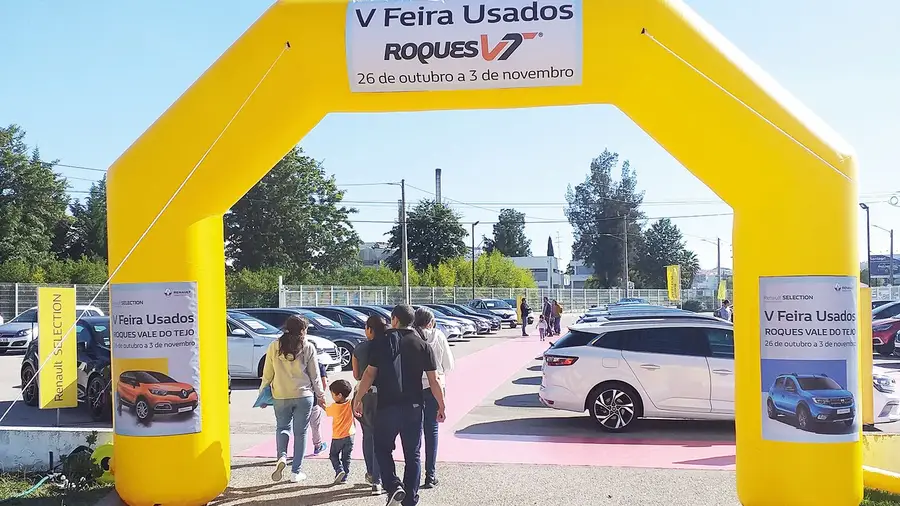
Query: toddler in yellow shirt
[[342, 429]]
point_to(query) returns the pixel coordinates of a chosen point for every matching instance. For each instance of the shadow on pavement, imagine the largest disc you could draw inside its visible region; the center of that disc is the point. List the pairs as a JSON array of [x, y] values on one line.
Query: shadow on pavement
[[583, 429], [520, 401], [23, 415], [536, 368], [529, 380], [723, 461], [287, 494]]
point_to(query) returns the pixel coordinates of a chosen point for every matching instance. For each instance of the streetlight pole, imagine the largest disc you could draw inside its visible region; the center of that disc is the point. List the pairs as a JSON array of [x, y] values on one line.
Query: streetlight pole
[[891, 258], [868, 244], [718, 263], [625, 255], [473, 258], [404, 251]]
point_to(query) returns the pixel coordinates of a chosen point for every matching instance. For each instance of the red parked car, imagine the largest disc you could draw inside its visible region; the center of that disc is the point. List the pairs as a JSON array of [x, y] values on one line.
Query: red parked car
[[884, 335]]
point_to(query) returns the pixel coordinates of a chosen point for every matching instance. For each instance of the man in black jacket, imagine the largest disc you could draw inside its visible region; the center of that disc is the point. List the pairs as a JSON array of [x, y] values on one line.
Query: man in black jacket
[[397, 362], [524, 309]]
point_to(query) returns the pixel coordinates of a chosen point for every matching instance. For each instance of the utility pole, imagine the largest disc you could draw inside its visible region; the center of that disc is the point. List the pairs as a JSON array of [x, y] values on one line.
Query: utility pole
[[868, 244], [473, 258], [625, 255], [404, 252]]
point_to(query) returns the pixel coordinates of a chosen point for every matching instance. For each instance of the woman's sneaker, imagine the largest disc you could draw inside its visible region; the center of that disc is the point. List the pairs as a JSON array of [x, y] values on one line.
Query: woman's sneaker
[[278, 474], [298, 477], [340, 477], [397, 497], [430, 482]]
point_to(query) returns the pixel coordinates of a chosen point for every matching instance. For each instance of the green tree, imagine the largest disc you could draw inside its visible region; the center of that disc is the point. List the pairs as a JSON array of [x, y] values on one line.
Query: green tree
[[32, 200], [663, 244], [509, 235], [601, 210], [550, 252], [292, 219], [434, 235], [88, 229]]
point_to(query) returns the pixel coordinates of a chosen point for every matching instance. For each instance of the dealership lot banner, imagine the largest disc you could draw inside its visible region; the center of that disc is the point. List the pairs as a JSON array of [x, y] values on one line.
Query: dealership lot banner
[[156, 358], [424, 45], [57, 350]]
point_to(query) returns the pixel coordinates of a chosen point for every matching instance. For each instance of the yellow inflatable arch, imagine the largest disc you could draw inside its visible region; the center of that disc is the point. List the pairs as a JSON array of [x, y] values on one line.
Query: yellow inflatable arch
[[790, 180]]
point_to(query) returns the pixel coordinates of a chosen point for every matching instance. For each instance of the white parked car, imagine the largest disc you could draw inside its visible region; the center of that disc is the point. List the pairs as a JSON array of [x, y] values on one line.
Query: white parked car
[[18, 332], [249, 338], [671, 365]]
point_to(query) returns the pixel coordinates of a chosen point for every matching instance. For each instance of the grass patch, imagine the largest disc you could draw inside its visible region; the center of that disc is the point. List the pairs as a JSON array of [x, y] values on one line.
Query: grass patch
[[48, 494], [879, 498]]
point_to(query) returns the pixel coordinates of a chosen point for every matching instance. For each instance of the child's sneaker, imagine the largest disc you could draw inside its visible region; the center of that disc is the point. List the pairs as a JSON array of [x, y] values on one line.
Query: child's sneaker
[[278, 474], [298, 477], [340, 477], [319, 448]]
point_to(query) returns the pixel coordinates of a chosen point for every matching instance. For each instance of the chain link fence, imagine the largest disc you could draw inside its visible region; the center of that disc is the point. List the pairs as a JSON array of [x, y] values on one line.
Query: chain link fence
[[17, 297]]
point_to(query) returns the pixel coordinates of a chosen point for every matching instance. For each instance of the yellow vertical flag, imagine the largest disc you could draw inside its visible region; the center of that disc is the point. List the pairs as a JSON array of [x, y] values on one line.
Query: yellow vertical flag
[[673, 281], [722, 292], [58, 381]]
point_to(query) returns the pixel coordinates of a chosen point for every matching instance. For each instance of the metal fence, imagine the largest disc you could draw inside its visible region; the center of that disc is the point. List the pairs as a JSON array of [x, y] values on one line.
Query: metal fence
[[17, 297], [572, 299]]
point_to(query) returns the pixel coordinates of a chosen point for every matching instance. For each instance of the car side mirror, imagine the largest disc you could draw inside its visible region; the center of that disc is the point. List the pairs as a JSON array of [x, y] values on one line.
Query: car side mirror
[[239, 332]]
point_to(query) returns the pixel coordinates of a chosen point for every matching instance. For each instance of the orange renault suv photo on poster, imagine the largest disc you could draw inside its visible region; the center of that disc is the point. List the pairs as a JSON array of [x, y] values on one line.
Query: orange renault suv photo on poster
[[150, 393]]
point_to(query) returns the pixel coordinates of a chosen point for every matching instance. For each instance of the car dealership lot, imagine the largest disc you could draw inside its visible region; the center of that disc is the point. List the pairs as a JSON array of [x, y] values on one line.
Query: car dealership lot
[[507, 407]]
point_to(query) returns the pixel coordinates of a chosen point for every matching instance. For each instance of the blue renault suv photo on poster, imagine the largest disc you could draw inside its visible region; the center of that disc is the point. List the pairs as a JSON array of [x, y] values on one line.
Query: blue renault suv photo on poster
[[814, 400]]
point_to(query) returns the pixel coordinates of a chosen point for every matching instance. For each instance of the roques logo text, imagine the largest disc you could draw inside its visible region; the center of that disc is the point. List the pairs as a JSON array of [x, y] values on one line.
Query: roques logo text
[[424, 51]]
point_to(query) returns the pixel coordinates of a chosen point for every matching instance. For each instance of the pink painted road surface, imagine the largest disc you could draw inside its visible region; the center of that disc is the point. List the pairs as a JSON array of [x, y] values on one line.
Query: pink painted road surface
[[477, 375]]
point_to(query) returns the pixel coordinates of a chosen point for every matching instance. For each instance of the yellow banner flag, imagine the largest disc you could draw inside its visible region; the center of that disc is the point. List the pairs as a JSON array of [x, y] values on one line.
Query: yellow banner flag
[[722, 292], [673, 281], [58, 381]]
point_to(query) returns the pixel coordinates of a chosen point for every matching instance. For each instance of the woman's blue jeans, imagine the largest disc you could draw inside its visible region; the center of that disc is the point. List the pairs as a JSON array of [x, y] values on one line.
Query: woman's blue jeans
[[292, 412], [430, 429]]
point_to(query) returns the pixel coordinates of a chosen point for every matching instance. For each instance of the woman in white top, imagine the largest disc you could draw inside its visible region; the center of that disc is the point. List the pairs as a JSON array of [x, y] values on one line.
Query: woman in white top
[[423, 322], [292, 370]]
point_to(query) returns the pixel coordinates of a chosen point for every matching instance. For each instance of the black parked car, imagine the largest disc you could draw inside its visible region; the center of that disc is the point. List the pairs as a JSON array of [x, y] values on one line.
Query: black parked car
[[346, 316], [346, 339], [492, 321], [94, 374]]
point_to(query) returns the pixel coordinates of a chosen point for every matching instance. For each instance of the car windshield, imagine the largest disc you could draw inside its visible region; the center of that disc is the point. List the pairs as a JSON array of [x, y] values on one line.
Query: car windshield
[[496, 304], [818, 383], [886, 311], [320, 320], [449, 311], [152, 377], [258, 326], [101, 330], [354, 313]]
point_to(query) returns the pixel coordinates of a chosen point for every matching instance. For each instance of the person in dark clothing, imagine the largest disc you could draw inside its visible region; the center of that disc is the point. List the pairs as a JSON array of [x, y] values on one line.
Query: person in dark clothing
[[375, 329], [525, 309], [547, 311], [397, 362]]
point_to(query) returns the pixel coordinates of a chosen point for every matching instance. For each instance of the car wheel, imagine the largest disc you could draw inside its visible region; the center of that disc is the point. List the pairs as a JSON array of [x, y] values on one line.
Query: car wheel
[[614, 406], [345, 354], [142, 411], [803, 419], [887, 349], [770, 409], [30, 392], [98, 399], [259, 368]]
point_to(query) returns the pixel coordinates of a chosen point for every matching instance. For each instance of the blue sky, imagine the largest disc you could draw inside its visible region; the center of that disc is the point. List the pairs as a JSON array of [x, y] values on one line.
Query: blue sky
[[86, 79]]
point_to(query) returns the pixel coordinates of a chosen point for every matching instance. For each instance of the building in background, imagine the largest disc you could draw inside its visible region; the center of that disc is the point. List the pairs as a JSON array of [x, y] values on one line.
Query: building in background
[[372, 254], [707, 281], [580, 273], [544, 270]]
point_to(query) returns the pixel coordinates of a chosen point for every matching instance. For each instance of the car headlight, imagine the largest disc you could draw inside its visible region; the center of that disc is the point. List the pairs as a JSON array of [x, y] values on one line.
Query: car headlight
[[820, 400], [156, 391], [884, 384], [23, 333], [882, 327]]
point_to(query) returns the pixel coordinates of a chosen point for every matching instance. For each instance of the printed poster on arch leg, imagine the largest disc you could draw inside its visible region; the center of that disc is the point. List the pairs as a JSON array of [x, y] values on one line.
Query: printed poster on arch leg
[[156, 358], [809, 365]]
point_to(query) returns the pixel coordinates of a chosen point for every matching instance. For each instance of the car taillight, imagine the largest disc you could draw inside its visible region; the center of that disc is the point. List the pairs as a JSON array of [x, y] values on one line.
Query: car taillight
[[553, 360]]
